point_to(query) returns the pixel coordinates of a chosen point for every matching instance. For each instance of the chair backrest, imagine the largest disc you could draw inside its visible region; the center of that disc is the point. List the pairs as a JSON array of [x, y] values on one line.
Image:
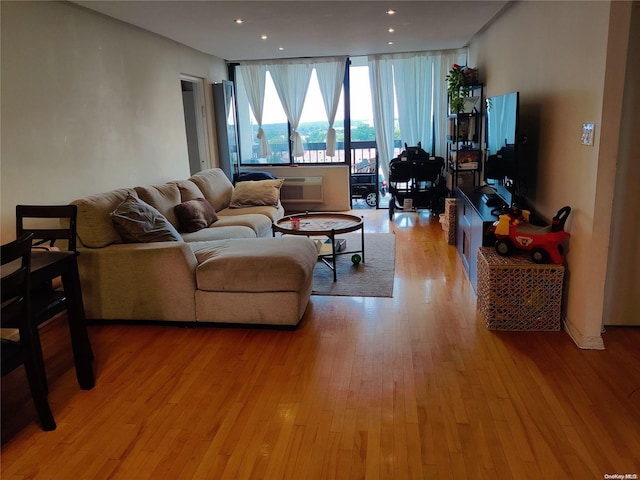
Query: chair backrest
[[16, 265], [65, 230]]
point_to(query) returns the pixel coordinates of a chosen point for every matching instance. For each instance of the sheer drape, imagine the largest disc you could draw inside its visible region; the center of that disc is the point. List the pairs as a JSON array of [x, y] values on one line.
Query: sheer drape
[[418, 81], [253, 78], [291, 82], [413, 78], [330, 78], [381, 81]]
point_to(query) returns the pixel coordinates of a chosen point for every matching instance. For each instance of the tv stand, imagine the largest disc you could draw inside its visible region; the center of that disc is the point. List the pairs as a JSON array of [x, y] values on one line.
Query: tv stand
[[492, 200], [474, 219]]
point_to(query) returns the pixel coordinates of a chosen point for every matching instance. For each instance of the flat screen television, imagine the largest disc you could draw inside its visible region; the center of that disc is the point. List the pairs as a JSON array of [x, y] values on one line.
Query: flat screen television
[[502, 139]]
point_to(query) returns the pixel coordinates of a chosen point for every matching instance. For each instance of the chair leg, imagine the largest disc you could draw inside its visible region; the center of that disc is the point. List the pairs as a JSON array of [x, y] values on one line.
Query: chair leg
[[38, 387], [39, 363]]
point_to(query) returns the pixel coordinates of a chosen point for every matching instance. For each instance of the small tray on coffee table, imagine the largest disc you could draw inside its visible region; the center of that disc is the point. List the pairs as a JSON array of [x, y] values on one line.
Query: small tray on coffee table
[[323, 224]]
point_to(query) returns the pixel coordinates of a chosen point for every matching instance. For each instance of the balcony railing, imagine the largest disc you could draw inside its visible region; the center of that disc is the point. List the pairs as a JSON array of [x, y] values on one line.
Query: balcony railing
[[362, 158]]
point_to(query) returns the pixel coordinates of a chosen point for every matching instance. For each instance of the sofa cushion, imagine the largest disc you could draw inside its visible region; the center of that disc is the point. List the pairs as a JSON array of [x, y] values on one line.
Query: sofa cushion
[[219, 232], [215, 186], [260, 224], [163, 198], [194, 215], [188, 190], [95, 228], [255, 265], [273, 213], [137, 221], [256, 192]]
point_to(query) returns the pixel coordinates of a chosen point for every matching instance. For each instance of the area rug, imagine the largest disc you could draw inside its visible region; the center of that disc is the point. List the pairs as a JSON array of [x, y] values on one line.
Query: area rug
[[372, 278]]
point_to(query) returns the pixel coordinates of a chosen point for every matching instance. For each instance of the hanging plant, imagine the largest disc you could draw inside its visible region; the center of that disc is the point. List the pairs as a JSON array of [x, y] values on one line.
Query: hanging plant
[[459, 81]]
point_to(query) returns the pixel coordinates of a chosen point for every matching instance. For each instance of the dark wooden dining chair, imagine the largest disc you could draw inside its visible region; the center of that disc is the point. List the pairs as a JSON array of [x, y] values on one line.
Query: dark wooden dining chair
[[53, 228], [16, 314], [48, 224]]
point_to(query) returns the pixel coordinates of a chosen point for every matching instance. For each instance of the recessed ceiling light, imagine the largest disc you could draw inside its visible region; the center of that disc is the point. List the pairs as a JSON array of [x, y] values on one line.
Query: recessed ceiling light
[[391, 30], [263, 37], [280, 48], [239, 21], [391, 11], [389, 43]]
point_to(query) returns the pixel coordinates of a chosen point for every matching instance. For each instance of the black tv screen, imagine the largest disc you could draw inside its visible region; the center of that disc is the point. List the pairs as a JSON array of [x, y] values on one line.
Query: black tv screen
[[502, 144]]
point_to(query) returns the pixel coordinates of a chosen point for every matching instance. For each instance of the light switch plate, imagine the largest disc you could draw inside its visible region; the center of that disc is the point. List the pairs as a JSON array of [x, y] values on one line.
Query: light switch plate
[[587, 134]]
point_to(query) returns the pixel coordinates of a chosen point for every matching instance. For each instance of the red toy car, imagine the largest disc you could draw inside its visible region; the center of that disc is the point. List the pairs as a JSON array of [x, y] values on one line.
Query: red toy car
[[513, 230]]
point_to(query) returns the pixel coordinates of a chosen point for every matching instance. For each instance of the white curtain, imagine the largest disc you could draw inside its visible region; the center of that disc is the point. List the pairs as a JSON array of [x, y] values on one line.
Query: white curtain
[[413, 78], [421, 90], [381, 81], [330, 78], [291, 82], [253, 78], [441, 66]]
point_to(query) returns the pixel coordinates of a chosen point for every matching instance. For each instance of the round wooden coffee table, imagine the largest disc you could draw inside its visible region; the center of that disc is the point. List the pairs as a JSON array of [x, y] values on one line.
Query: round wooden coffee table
[[323, 224]]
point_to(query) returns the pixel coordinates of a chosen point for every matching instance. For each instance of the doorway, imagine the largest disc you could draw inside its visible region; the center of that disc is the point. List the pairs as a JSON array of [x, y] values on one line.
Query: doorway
[[195, 120]]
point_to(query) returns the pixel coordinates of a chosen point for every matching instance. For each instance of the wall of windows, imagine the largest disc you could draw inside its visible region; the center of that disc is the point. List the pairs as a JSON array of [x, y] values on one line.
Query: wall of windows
[[296, 104]]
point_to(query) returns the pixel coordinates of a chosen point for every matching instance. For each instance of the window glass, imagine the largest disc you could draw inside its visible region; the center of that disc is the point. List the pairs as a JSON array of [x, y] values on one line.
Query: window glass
[[363, 135]]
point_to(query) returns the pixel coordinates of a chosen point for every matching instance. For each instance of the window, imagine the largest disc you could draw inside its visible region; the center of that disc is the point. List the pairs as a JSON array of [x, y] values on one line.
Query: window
[[313, 127]]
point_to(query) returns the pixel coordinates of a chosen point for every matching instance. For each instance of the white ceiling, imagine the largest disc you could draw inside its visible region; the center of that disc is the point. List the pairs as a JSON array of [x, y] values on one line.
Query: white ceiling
[[306, 28]]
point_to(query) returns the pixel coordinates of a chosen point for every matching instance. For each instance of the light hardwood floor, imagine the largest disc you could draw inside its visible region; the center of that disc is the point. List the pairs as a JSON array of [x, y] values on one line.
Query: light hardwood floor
[[407, 387]]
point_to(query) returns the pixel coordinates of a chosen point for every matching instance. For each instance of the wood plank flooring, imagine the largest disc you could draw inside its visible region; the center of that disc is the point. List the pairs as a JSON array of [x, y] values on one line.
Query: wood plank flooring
[[409, 387]]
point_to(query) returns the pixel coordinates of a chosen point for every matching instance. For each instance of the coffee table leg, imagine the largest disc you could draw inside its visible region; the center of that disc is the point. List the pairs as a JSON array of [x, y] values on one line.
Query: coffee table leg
[[362, 242], [333, 251]]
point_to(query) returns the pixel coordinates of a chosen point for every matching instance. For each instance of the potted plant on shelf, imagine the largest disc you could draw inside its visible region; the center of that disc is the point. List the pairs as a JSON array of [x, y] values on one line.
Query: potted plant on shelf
[[459, 81]]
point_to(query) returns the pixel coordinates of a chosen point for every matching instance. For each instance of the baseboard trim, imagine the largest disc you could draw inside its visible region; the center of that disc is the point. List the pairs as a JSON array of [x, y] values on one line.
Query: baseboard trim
[[583, 341]]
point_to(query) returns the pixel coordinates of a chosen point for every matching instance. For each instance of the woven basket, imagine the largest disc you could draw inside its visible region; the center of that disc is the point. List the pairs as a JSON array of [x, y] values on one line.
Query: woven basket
[[514, 293], [450, 220]]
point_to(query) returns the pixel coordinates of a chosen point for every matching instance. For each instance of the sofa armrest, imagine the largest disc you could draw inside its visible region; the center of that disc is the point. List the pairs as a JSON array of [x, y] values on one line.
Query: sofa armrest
[[139, 281]]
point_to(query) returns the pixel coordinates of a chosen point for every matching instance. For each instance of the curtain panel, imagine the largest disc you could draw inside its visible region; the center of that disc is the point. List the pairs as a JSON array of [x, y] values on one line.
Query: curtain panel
[[381, 82], [330, 78], [253, 78], [292, 82], [417, 81]]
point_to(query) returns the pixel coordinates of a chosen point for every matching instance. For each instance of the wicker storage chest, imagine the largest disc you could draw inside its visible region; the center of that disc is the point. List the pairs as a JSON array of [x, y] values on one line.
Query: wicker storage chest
[[515, 293]]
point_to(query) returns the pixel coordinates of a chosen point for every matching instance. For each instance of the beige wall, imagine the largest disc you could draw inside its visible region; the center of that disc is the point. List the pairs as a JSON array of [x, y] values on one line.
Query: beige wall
[[90, 104], [556, 55]]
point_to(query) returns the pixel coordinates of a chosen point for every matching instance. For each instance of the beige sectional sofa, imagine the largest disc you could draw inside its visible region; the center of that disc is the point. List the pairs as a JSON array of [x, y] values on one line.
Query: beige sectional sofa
[[233, 271]]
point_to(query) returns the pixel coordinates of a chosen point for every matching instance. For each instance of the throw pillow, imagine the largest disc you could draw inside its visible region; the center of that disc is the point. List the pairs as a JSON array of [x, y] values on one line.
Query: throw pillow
[[195, 215], [257, 192], [138, 222]]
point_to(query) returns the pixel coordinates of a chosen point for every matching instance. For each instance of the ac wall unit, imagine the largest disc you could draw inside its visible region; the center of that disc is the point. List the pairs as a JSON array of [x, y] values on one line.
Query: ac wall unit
[[302, 190]]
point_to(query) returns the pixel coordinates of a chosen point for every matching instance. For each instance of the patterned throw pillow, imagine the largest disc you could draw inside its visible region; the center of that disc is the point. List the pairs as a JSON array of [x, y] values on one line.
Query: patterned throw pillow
[[138, 222]]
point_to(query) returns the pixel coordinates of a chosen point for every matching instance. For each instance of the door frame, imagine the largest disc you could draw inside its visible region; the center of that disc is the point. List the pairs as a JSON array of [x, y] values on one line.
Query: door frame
[[201, 120]]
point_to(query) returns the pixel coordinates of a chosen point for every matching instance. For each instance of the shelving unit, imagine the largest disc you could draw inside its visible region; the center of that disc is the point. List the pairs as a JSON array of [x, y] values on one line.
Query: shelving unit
[[464, 134]]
